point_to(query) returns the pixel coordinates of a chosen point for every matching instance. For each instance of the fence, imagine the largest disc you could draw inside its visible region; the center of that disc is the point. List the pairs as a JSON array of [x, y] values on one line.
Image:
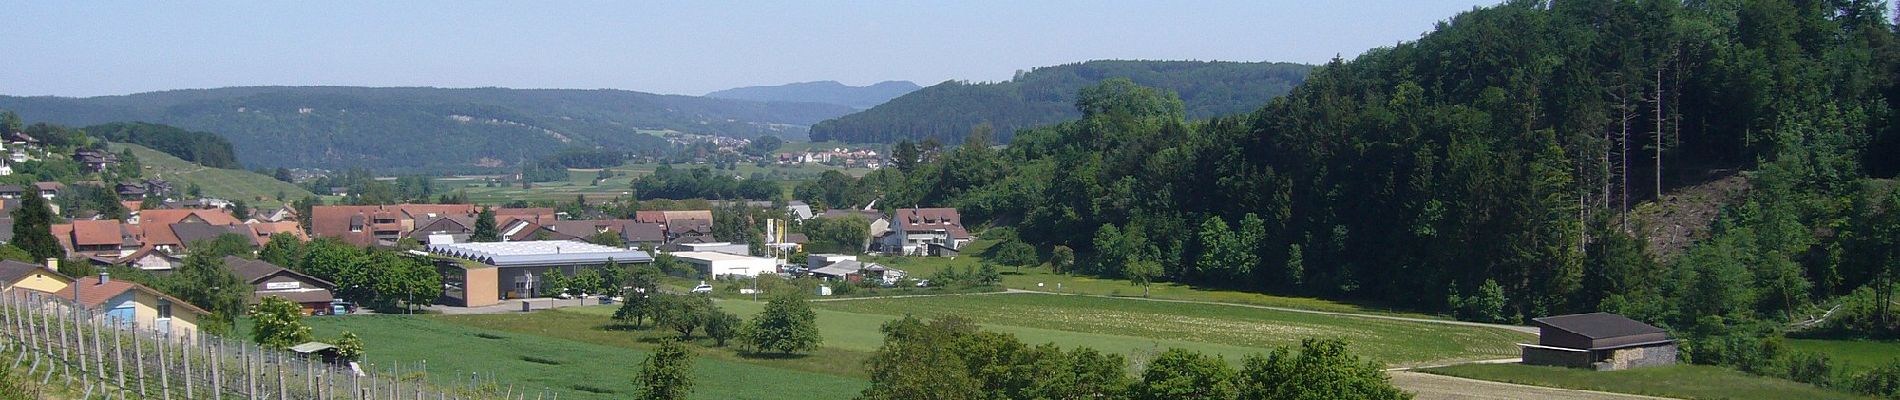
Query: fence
[[51, 339]]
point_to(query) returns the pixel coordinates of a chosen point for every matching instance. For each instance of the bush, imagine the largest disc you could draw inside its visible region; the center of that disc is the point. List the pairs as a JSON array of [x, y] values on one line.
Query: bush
[[1859, 316], [1882, 382], [1811, 368], [1485, 306]]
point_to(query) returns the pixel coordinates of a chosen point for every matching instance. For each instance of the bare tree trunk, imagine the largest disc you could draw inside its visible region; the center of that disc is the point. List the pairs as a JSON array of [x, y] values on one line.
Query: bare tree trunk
[[1658, 100]]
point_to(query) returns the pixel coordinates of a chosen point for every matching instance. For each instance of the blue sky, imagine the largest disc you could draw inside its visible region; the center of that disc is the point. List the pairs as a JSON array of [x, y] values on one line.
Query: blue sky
[[688, 47]]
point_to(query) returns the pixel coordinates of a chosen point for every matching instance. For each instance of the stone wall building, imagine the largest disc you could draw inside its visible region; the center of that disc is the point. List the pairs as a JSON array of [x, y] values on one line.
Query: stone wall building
[[1600, 341]]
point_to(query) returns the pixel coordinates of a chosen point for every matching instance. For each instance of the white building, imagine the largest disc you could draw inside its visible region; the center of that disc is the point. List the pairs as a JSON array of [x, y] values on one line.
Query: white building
[[926, 232], [722, 264]]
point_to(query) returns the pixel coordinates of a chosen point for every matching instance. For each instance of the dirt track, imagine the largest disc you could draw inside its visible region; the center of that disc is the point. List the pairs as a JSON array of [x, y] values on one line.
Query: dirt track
[[1439, 387]]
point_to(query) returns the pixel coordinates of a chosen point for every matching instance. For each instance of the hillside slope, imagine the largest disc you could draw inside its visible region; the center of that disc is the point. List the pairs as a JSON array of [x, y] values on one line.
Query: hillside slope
[[231, 184], [426, 129], [827, 92], [1046, 95]]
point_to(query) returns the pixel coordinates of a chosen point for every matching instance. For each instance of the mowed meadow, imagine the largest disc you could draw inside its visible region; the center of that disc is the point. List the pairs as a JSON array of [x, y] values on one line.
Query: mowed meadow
[[577, 352]]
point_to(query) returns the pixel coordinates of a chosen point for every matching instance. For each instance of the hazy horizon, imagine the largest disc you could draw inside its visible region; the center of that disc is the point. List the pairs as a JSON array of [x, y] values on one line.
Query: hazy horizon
[[86, 50]]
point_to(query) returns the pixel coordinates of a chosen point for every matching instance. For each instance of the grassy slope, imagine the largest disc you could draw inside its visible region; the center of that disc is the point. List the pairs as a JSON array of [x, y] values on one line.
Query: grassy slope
[[1043, 279], [1851, 356], [1129, 325], [585, 370], [1679, 381], [580, 182], [229, 184]]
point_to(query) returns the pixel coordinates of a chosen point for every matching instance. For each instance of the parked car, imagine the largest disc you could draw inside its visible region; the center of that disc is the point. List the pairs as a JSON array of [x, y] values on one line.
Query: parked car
[[702, 288]]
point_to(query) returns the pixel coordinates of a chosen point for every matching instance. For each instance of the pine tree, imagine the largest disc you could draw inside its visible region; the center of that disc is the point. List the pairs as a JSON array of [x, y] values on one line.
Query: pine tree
[[485, 230], [33, 229]]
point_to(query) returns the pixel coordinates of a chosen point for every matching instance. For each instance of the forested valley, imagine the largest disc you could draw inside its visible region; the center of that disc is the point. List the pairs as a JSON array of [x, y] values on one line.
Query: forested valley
[[1488, 170]]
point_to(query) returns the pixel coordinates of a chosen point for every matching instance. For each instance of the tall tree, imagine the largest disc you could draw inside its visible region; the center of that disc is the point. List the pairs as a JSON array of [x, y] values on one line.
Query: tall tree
[[1186, 375], [33, 231], [485, 230]]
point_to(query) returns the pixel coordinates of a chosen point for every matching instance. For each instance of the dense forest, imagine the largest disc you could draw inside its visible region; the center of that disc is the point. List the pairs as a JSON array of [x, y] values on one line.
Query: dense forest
[[828, 92], [408, 130], [204, 148], [947, 111], [667, 182], [1488, 170]]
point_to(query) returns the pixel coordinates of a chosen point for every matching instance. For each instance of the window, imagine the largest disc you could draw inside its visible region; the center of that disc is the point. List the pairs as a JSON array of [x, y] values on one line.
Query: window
[[164, 309]]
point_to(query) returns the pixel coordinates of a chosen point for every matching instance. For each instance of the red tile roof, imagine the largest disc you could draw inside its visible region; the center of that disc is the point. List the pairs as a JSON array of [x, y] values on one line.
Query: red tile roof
[[97, 233]]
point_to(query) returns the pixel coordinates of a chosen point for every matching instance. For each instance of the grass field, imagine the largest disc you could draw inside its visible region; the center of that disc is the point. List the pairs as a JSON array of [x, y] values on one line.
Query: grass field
[[230, 184], [1678, 381], [581, 182], [1045, 280], [573, 369], [1851, 356], [1131, 325]]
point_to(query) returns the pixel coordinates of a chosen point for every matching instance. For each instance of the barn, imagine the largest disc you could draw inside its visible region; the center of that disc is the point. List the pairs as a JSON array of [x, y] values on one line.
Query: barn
[[1600, 341]]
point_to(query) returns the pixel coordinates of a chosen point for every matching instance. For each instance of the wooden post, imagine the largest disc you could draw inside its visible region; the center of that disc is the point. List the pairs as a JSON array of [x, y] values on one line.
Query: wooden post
[[98, 344], [283, 392], [250, 372], [79, 334], [356, 380], [164, 367], [185, 354], [214, 352], [138, 357], [118, 353]]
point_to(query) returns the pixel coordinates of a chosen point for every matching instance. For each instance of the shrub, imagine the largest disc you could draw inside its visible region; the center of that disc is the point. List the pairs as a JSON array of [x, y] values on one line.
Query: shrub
[[1883, 381], [1811, 368]]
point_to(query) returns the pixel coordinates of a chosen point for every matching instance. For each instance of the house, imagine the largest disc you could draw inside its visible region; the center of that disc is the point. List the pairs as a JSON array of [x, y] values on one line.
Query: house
[[722, 264], [1600, 341], [485, 273], [11, 191], [799, 210], [271, 280], [386, 224], [49, 190], [41, 278], [915, 230], [643, 235], [128, 190], [279, 214], [97, 238], [95, 160], [134, 306]]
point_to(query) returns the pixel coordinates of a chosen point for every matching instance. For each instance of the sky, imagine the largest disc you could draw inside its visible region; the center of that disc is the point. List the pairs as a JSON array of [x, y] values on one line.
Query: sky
[[81, 49]]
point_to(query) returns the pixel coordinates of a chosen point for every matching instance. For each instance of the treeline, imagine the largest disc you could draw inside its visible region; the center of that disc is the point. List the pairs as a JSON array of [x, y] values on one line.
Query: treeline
[[426, 130], [667, 182], [1045, 96], [204, 148], [951, 358], [1488, 168]]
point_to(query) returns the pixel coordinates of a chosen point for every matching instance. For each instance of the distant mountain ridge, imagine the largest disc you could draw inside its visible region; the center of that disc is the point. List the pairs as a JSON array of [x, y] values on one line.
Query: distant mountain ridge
[[828, 92], [1046, 95], [414, 129]]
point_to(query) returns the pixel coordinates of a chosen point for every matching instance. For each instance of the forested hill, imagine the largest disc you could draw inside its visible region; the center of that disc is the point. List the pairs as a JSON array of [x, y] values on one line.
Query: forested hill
[[425, 128], [828, 92], [947, 111], [1487, 169]]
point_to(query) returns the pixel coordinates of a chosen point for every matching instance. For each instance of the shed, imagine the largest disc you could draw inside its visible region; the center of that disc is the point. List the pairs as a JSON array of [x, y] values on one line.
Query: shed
[[1600, 341], [325, 351]]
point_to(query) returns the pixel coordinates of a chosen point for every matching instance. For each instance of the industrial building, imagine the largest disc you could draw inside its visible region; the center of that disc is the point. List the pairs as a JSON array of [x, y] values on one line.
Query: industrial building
[[485, 273]]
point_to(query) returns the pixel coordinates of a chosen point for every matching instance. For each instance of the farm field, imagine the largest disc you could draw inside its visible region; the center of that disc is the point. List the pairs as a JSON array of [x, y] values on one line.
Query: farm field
[[572, 369], [1132, 325], [1852, 356], [258, 190], [1677, 381], [1043, 279], [581, 182]]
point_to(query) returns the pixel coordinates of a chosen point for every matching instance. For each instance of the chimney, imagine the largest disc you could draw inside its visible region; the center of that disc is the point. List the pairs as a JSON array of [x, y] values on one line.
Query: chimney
[[104, 277], [52, 264]]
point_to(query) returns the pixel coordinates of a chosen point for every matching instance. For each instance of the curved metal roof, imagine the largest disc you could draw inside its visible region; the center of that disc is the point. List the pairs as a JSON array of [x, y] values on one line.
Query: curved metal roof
[[540, 253]]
